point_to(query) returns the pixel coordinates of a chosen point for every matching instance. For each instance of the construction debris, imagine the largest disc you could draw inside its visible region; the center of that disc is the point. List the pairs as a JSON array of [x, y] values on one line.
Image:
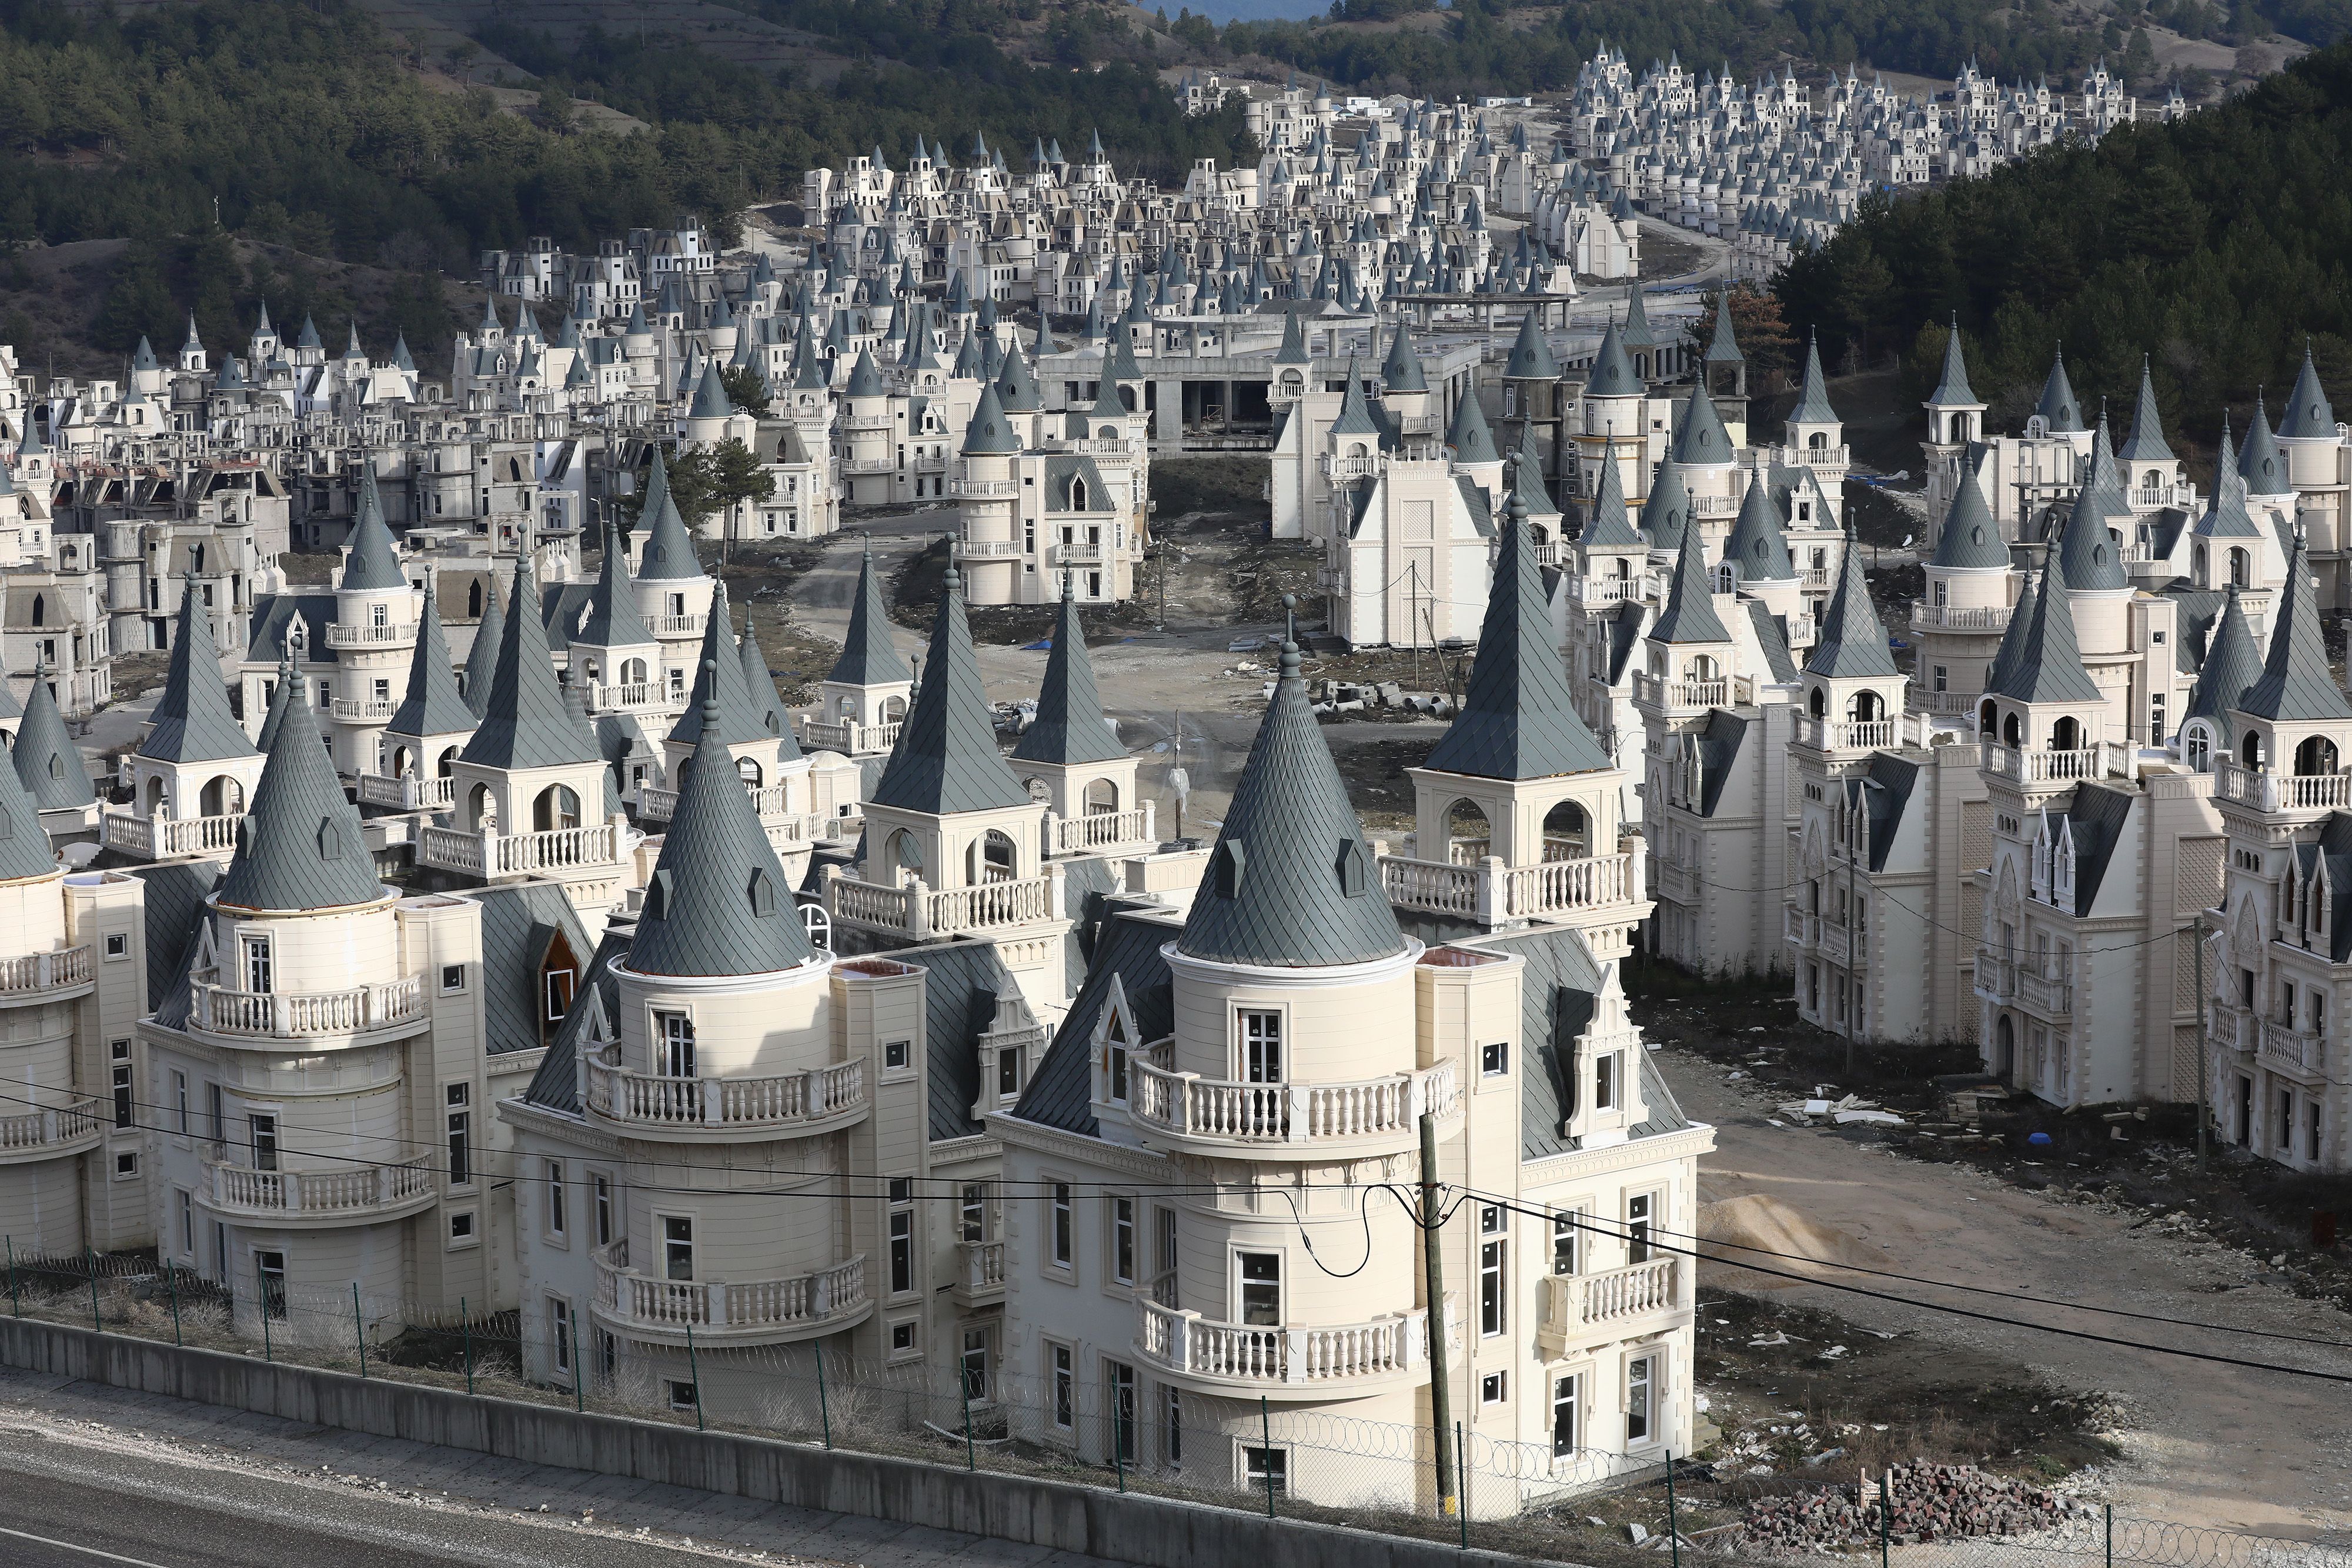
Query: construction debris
[[1930, 1503], [1843, 1112]]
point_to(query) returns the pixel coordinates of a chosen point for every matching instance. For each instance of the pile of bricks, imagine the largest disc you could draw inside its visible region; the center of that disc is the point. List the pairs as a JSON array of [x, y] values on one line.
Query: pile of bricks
[[1929, 1503]]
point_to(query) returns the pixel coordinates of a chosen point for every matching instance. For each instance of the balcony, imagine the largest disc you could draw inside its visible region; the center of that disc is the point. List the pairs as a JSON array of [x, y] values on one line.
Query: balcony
[[1616, 1304], [1996, 977], [989, 549], [1944, 704], [401, 634], [168, 837], [408, 792], [1815, 580], [348, 712], [1802, 931], [719, 1312], [864, 467], [1675, 697], [846, 737], [393, 1007], [1346, 470], [2294, 1049], [922, 912], [348, 1195], [2263, 792], [1836, 944], [1845, 734], [627, 697], [1218, 1115], [2049, 996], [657, 805], [1282, 1363], [1961, 618], [518, 854], [867, 422], [980, 1273], [1602, 591], [2039, 767], [983, 489], [1814, 456], [2153, 497], [787, 1104], [52, 1134], [1099, 831], [1673, 882], [675, 625]]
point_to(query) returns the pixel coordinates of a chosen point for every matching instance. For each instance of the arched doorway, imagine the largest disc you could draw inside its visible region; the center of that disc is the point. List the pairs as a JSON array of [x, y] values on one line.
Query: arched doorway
[[1469, 837], [1567, 832], [992, 857], [223, 795], [2315, 756], [557, 808], [482, 810], [1102, 797], [902, 856], [2004, 1048]]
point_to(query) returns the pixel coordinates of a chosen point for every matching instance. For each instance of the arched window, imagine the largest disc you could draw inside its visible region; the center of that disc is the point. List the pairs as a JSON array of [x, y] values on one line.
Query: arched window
[[482, 807], [992, 857], [1817, 441], [474, 599], [2238, 569], [1817, 703], [633, 671], [2250, 751], [1078, 496], [1865, 708], [2197, 746], [746, 768], [40, 610], [906, 856], [1987, 719]]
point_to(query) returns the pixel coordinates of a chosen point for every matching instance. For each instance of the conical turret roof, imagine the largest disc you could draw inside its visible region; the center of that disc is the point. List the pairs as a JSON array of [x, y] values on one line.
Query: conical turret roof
[[1612, 370], [2087, 552], [2232, 665], [1689, 615], [1291, 883], [287, 688], [1517, 719], [1853, 642], [2295, 685], [482, 658], [740, 720], [372, 564], [1069, 728], [299, 846], [24, 849], [1759, 545], [1666, 514], [2261, 465], [2146, 443], [612, 619], [1953, 389], [191, 722], [946, 759], [668, 554], [48, 764], [868, 657], [1970, 540], [2306, 416], [990, 432], [718, 903], [1611, 529], [1468, 433], [432, 705], [525, 722], [1813, 397], [1401, 371], [2061, 410], [1702, 439], [761, 685], [2045, 662]]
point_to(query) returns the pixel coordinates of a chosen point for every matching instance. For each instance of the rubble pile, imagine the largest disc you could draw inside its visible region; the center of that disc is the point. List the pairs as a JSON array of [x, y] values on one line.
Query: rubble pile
[[1930, 1503], [1844, 1112]]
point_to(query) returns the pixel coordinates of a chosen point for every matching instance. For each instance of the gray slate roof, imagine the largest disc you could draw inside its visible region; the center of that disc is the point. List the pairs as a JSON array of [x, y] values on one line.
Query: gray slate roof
[[612, 619], [1517, 720], [482, 658], [719, 678], [24, 845], [668, 554], [2061, 410], [1060, 1093], [2044, 664], [519, 923], [1531, 357], [946, 759], [595, 1001], [1291, 883], [1756, 546], [191, 722], [1953, 389], [432, 705], [989, 433], [1702, 438], [2232, 665], [1469, 435], [525, 722], [1612, 370], [868, 657], [1689, 615], [1611, 527], [48, 764], [299, 846], [2305, 417], [2146, 443], [1813, 397], [1069, 726], [762, 688], [2295, 685], [1667, 512], [372, 562], [1970, 540]]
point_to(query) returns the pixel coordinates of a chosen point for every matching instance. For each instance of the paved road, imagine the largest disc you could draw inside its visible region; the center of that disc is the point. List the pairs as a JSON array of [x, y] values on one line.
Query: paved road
[[91, 1476]]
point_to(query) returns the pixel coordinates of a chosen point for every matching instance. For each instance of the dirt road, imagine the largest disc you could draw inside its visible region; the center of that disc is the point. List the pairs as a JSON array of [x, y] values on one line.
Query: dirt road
[[2207, 1445]]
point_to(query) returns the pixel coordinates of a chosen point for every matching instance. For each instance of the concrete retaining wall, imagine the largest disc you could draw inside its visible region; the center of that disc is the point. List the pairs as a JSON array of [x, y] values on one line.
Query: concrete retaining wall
[[1159, 1532]]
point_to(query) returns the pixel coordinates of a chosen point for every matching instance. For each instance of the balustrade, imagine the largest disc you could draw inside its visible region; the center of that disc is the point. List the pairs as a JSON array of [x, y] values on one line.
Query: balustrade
[[1271, 1359], [720, 1308], [155, 838], [643, 1100], [215, 1008], [346, 1192], [1185, 1106]]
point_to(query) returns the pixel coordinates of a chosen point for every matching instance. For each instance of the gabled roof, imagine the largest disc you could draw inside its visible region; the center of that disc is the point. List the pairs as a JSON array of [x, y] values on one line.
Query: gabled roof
[[1758, 548], [946, 761], [2295, 684], [1069, 728], [48, 764], [2232, 665], [868, 657], [2146, 443], [191, 722], [1689, 615], [597, 1000], [1813, 397], [613, 619], [717, 902], [372, 563], [1970, 540], [2045, 663], [299, 846], [431, 705], [2096, 819], [525, 722], [520, 924], [1853, 642], [1291, 883], [1517, 719]]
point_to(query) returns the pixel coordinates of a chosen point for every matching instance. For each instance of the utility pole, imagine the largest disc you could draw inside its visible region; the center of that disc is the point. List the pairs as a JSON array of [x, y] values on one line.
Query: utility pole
[[2204, 1056], [1441, 1405]]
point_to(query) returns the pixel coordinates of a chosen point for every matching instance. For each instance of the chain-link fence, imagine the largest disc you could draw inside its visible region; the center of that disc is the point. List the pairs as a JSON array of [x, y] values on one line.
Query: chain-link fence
[[1552, 1500]]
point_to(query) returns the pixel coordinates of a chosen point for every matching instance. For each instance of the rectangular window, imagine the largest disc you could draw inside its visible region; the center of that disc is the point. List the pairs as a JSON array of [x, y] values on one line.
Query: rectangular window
[[461, 1146], [604, 1211], [1494, 1388], [1641, 1399], [1493, 1249], [2311, 1131], [453, 977], [896, 1054], [974, 1364], [678, 1246], [180, 1098], [187, 1222], [257, 964], [674, 1044], [1117, 1074], [219, 1114], [1122, 1240], [972, 1212], [1163, 1258], [1260, 1289], [1262, 1047], [1639, 1213], [1121, 1378], [264, 1141], [461, 1226], [2285, 1121], [271, 1268], [1062, 1230], [555, 1197], [559, 993], [902, 1337], [1172, 1433], [120, 1052], [1563, 1416], [1267, 1470], [558, 1331], [1565, 1235], [1605, 1070], [1066, 1389], [1494, 1059], [682, 1395], [902, 1236], [1008, 1072]]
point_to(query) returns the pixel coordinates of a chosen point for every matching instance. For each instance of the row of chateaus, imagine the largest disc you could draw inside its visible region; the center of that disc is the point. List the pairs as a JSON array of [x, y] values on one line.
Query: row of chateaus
[[2116, 737]]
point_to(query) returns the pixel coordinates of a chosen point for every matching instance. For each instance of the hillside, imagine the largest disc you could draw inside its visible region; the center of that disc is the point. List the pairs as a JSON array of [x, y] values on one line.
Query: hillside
[[2214, 245]]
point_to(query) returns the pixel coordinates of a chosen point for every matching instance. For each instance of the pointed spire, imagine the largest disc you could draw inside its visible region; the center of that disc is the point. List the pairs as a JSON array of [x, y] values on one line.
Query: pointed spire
[[1666, 514], [1971, 540], [299, 846], [1702, 439], [1689, 615], [1723, 347], [482, 658], [2146, 443], [1953, 389], [2041, 661], [47, 762], [1853, 642], [989, 433], [710, 400], [868, 657], [1401, 371], [668, 553], [525, 722], [2295, 685], [2261, 465], [191, 722], [2061, 412], [2305, 417], [1531, 357], [1611, 529], [1291, 883], [946, 759], [1294, 342], [1355, 413], [718, 903], [431, 705], [718, 680], [1758, 546], [1069, 728], [2232, 665], [2087, 552], [761, 686], [1613, 369], [1813, 397], [372, 565], [24, 849], [1517, 719], [1467, 434], [612, 619], [287, 688]]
